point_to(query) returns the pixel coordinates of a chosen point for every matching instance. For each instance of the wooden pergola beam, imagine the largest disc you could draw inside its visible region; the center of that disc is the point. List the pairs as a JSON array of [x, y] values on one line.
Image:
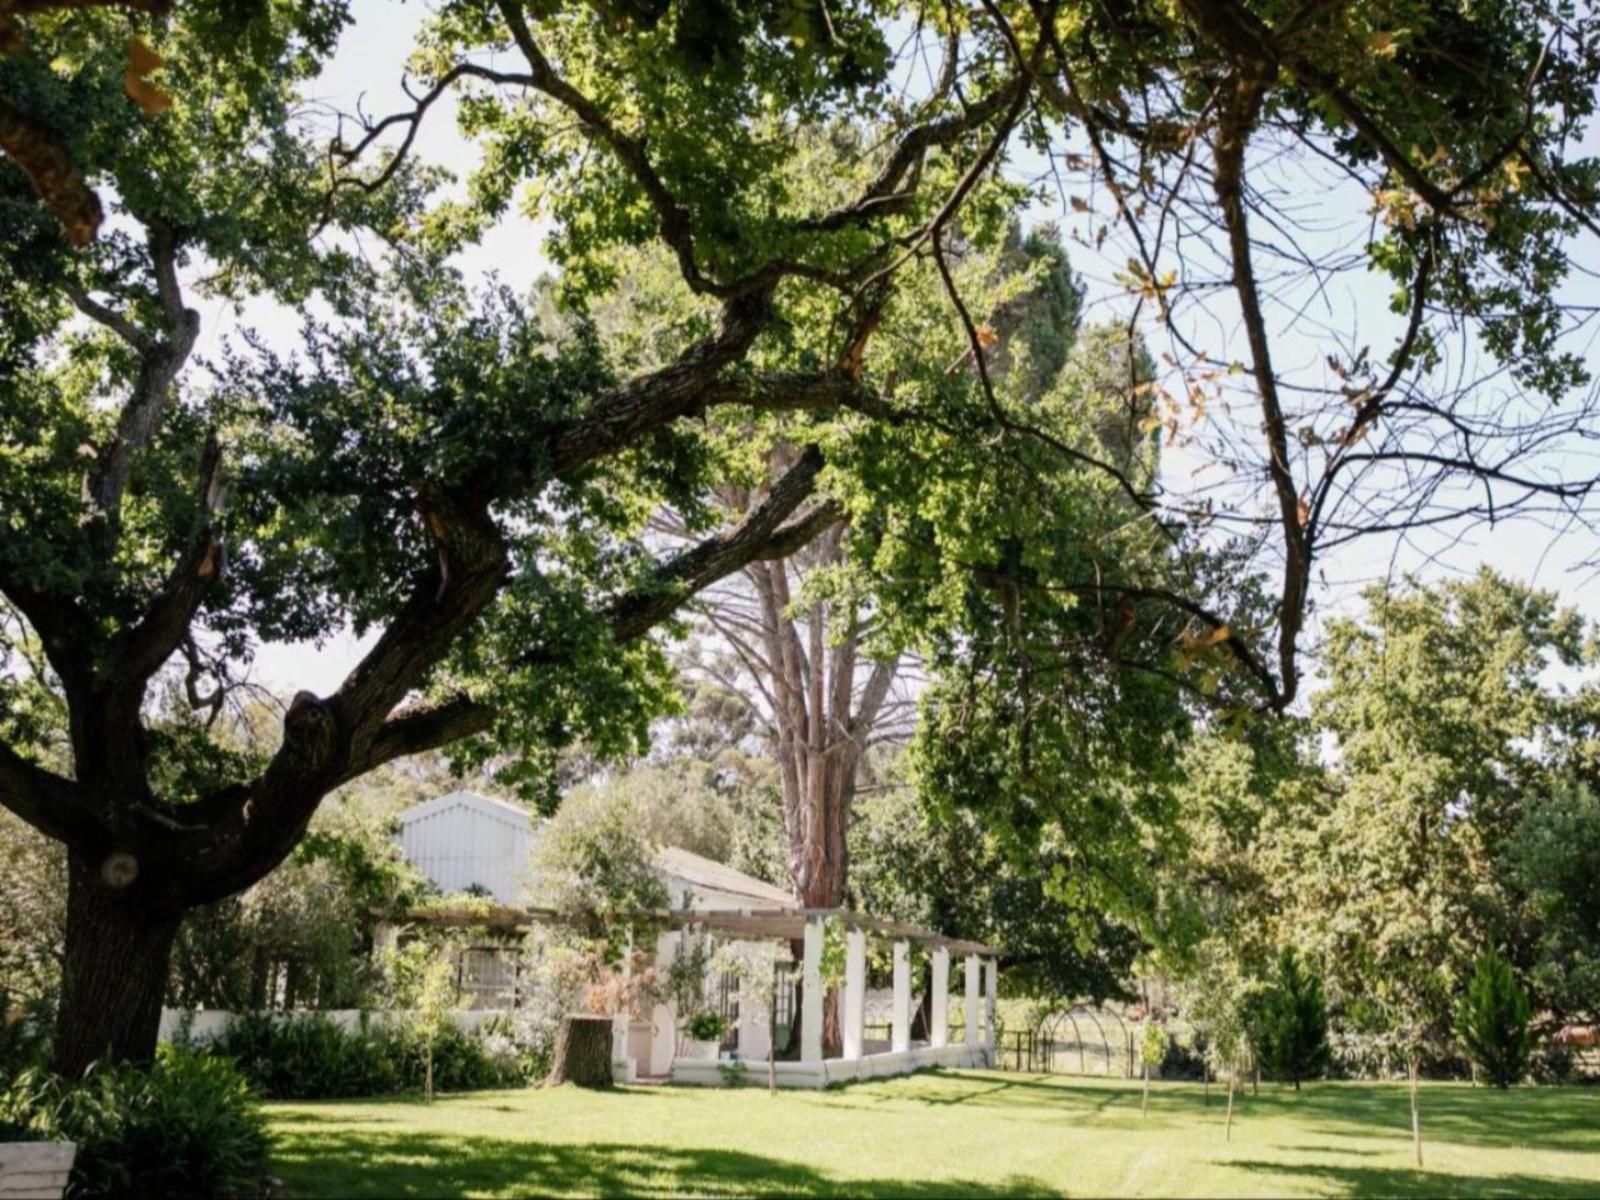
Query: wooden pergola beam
[[782, 924]]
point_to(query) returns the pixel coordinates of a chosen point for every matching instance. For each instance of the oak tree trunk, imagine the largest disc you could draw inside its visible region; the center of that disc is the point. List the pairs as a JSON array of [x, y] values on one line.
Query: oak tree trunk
[[114, 976], [582, 1052]]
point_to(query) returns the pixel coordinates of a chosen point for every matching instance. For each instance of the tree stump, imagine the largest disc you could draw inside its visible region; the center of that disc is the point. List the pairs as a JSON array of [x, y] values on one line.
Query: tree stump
[[582, 1052]]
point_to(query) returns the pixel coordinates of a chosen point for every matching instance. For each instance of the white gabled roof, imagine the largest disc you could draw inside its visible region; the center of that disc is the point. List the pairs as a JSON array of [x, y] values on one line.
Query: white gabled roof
[[497, 810], [706, 873]]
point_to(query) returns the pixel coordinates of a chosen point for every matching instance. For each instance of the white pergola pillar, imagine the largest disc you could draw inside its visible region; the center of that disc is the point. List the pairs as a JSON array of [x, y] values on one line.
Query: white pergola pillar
[[900, 1027], [854, 1018], [991, 1005], [971, 979], [664, 1021], [811, 993], [939, 1002], [623, 1069]]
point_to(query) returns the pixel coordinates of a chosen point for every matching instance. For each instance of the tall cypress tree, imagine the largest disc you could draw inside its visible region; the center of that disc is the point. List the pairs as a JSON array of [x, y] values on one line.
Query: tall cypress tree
[[1492, 1022], [1294, 1027]]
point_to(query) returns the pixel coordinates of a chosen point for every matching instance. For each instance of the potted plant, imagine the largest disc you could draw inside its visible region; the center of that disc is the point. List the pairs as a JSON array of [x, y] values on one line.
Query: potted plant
[[706, 1030]]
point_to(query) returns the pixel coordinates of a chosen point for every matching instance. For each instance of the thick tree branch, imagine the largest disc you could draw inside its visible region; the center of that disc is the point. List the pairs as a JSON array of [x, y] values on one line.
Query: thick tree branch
[[42, 154], [144, 647], [257, 825], [160, 360], [1238, 117], [444, 603], [418, 730], [660, 397], [692, 384], [56, 807], [766, 532]]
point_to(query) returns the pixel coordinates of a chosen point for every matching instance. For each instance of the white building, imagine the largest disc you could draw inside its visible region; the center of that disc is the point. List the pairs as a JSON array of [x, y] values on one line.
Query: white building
[[465, 842]]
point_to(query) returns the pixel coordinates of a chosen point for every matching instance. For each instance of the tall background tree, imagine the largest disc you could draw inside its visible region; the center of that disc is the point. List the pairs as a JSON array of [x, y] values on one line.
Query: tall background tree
[[800, 630], [1294, 1021], [1442, 711]]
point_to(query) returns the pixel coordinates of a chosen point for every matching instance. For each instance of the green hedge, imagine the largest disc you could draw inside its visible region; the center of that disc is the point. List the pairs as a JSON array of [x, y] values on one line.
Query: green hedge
[[308, 1057]]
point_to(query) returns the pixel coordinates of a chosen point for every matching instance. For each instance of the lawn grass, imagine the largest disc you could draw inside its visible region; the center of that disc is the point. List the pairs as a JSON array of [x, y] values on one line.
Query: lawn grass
[[972, 1133]]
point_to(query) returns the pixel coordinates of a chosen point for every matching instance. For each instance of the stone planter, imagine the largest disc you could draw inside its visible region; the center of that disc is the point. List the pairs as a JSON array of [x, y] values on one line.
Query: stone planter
[[692, 1048], [35, 1170]]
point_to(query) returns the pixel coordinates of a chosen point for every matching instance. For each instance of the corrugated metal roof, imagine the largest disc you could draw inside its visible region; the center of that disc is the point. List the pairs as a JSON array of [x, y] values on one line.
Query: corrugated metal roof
[[706, 873]]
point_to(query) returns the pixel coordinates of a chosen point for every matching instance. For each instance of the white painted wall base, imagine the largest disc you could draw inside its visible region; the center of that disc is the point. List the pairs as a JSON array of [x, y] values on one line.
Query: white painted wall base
[[819, 1074]]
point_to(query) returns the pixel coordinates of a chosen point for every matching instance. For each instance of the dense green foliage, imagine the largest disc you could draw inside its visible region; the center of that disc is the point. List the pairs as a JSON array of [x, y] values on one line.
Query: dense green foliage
[[707, 1026], [189, 1125], [594, 862], [1433, 807], [942, 869], [32, 914], [1294, 1021], [1554, 860], [309, 1057], [1492, 1022], [304, 935], [1404, 867]]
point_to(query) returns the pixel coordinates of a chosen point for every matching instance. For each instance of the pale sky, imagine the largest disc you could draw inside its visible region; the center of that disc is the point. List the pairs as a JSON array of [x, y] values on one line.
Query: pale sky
[[365, 72]]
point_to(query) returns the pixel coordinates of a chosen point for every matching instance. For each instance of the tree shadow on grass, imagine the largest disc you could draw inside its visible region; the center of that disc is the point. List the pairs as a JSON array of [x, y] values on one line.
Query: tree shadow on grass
[[1543, 1118], [979, 1090], [1405, 1182], [1113, 1104], [1547, 1118], [359, 1164]]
